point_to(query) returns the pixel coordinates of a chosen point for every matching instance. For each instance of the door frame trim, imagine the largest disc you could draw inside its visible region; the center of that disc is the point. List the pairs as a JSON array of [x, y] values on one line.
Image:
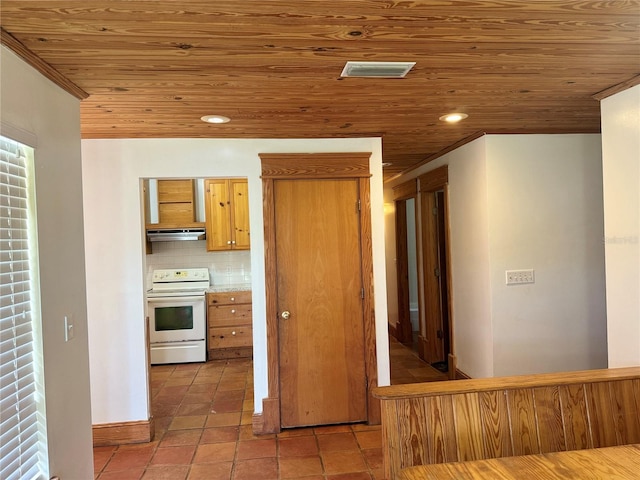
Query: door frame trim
[[292, 166], [403, 328]]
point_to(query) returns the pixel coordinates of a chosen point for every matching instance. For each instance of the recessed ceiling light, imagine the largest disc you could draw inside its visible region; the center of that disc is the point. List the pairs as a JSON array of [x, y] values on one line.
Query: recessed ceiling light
[[386, 164], [215, 119], [453, 117]]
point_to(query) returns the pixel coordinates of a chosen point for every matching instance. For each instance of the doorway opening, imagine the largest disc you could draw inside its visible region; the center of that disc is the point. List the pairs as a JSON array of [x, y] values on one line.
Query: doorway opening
[[436, 268], [406, 341], [407, 329]]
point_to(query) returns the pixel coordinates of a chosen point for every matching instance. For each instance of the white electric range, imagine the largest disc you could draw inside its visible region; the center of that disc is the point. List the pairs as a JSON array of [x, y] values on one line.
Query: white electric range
[[177, 315]]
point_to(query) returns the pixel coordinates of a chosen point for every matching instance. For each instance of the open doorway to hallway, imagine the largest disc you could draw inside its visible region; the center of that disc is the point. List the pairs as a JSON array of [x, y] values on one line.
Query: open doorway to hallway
[[425, 322], [406, 346], [407, 367]]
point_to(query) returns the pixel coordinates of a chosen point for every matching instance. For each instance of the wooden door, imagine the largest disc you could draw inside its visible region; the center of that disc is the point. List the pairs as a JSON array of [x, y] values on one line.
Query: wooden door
[[319, 282], [438, 341], [434, 333], [404, 332], [217, 205], [239, 192], [443, 270]]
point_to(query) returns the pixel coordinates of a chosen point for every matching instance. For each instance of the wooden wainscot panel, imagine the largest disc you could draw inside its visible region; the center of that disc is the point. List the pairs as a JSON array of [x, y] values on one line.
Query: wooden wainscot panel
[[524, 434], [440, 446], [509, 416], [625, 401], [416, 428], [601, 415], [549, 413], [123, 433], [575, 417], [494, 414], [466, 408]]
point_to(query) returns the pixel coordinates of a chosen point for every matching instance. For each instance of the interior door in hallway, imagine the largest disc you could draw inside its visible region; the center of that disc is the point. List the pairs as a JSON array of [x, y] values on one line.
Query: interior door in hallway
[[319, 295]]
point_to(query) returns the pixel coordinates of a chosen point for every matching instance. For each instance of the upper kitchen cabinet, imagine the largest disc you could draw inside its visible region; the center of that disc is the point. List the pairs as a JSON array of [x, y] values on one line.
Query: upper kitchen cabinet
[[176, 201], [172, 203], [227, 213]]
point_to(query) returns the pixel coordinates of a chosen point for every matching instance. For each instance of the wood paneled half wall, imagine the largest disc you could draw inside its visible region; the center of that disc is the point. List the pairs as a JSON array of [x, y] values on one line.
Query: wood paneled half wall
[[456, 421]]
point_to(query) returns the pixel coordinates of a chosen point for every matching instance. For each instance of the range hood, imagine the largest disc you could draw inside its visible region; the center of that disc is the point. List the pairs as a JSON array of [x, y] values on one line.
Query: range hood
[[175, 234]]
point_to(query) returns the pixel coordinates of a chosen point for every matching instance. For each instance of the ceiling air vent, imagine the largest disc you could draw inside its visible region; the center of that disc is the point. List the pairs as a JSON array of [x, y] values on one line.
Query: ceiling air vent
[[376, 69]]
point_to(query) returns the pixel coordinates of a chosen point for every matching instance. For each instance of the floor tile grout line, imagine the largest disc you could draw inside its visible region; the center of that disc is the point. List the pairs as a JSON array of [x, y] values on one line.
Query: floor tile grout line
[[229, 371]]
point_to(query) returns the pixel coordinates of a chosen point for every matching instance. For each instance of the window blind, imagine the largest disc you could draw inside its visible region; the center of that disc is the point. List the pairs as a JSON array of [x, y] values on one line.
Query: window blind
[[20, 428]]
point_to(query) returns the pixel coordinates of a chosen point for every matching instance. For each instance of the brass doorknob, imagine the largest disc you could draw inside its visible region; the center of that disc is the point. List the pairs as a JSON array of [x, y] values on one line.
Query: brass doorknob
[[285, 315]]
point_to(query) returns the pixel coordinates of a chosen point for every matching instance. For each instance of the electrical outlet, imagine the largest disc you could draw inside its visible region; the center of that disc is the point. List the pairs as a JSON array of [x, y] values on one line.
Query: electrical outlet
[[519, 277], [69, 332]]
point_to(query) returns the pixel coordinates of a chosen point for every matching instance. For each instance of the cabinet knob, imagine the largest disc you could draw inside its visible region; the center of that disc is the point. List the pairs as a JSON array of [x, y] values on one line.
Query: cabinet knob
[[228, 242], [233, 311], [285, 315], [233, 333], [233, 299]]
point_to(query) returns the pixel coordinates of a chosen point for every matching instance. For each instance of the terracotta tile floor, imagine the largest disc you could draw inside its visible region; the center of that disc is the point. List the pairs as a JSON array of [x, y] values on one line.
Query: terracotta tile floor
[[203, 431]]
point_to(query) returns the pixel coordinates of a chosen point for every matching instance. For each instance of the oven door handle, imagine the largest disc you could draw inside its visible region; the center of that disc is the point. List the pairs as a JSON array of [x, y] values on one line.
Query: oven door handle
[[192, 298]]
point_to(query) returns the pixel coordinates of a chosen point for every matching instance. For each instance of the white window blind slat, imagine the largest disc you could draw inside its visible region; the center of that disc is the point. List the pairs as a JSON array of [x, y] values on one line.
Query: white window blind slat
[[21, 422]]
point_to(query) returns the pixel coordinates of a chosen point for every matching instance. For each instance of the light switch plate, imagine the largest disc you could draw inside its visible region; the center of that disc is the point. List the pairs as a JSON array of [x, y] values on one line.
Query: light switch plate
[[519, 277], [69, 332]]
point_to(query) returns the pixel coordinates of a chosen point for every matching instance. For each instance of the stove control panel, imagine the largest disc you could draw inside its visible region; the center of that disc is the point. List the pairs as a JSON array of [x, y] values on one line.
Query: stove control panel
[[181, 275]]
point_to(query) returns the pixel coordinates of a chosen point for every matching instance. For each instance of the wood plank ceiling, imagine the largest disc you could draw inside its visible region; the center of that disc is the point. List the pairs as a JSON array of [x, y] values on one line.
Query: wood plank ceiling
[[153, 68]]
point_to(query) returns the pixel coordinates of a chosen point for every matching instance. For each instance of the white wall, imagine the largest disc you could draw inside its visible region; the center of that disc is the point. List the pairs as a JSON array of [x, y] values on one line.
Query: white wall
[[468, 219], [621, 169], [545, 212], [412, 261], [470, 262], [37, 112], [114, 245], [526, 201], [390, 255]]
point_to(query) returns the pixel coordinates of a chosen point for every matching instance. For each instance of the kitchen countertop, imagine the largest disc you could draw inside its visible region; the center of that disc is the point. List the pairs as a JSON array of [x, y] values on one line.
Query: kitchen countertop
[[228, 288]]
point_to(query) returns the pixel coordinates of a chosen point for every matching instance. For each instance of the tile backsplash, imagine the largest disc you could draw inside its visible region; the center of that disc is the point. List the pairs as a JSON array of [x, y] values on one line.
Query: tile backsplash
[[226, 269]]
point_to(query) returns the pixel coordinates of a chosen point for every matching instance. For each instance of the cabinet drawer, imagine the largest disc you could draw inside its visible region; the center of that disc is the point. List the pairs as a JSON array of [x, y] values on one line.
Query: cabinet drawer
[[230, 337], [228, 298], [229, 315]]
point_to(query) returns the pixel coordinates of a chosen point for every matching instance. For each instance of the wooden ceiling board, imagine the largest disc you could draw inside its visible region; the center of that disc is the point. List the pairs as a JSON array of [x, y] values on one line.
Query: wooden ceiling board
[[153, 68]]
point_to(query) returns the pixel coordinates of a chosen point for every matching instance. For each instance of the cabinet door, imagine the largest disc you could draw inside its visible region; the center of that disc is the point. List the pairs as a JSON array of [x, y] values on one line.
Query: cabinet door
[[175, 191], [240, 214], [176, 202], [217, 209]]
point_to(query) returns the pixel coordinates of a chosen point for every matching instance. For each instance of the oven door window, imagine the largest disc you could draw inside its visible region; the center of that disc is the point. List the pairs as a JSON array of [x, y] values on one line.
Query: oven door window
[[173, 318]]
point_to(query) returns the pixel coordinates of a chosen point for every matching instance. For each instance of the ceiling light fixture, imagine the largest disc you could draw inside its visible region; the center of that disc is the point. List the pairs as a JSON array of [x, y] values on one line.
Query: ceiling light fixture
[[453, 117], [215, 119], [386, 164]]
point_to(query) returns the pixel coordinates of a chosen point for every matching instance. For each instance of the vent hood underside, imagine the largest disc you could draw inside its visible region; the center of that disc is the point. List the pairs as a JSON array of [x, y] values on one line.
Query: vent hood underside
[[175, 234]]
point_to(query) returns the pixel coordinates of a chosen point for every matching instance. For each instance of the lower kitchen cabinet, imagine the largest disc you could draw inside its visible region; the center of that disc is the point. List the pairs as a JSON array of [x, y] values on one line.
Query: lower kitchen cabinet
[[229, 320]]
